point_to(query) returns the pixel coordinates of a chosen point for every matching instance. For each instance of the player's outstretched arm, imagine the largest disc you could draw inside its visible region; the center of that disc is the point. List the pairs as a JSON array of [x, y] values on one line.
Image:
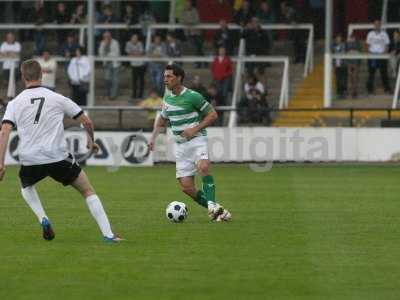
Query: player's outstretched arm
[[159, 123], [88, 125], [4, 136], [209, 119]]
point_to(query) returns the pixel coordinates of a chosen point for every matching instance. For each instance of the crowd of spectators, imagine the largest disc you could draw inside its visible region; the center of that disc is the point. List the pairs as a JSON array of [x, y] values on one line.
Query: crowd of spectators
[[130, 42]]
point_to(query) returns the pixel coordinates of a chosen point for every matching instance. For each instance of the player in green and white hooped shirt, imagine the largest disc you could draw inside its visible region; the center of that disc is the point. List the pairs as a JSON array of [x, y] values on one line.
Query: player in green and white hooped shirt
[[189, 115]]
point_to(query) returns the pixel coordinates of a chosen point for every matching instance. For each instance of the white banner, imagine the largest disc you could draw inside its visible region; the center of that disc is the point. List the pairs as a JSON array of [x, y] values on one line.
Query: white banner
[[257, 144], [263, 144], [116, 149]]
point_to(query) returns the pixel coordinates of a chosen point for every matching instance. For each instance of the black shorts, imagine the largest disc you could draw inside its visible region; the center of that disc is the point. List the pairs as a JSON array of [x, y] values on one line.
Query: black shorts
[[65, 171]]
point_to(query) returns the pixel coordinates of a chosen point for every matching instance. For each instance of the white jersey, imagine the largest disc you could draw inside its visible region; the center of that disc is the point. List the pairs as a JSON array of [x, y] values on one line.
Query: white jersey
[[38, 114], [377, 41]]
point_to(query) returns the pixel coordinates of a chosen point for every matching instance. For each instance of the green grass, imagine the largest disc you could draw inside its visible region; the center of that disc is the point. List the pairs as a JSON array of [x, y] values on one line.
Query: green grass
[[299, 232]]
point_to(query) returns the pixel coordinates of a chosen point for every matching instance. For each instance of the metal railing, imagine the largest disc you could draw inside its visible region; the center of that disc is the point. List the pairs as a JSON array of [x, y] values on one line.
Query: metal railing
[[367, 26], [121, 109], [350, 119], [352, 112]]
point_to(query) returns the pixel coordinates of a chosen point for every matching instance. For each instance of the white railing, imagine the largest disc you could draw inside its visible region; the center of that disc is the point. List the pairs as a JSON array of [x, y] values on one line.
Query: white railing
[[367, 26], [309, 59], [364, 56], [237, 88]]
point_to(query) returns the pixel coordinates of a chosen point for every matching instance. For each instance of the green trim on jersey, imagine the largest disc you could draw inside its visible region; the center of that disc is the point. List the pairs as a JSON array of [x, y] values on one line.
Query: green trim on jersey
[[185, 111]]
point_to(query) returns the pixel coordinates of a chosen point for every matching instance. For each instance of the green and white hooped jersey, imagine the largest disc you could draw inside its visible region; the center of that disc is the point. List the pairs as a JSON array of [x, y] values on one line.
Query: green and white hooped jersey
[[184, 111]]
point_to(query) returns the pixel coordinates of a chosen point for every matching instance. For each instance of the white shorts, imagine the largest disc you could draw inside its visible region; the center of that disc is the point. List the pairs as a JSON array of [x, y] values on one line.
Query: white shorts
[[188, 155]]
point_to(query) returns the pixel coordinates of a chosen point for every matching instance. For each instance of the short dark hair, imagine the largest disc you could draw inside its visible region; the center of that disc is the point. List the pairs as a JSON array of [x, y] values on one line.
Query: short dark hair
[[82, 49], [176, 70], [31, 70]]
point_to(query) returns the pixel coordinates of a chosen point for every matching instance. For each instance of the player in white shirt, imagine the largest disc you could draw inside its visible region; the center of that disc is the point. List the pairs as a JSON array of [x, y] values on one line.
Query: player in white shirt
[[10, 49], [378, 43], [38, 115]]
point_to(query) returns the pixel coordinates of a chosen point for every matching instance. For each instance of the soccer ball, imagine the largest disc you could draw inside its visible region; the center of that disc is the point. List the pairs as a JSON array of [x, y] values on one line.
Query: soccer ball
[[176, 211]]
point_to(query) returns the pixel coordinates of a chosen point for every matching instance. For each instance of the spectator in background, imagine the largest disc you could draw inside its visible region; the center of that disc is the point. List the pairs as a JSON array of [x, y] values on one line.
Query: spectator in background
[[156, 68], [339, 47], [395, 54], [256, 44], [79, 75], [222, 70], [39, 36], [10, 49], [258, 108], [153, 101], [317, 9], [49, 69], [290, 16], [213, 96], [135, 48], [378, 43], [130, 17], [254, 106], [244, 15], [145, 20], [215, 99], [224, 38], [353, 46], [79, 16], [253, 84], [109, 48], [62, 17], [266, 16], [107, 16], [26, 16], [173, 46], [67, 50], [197, 86], [190, 16]]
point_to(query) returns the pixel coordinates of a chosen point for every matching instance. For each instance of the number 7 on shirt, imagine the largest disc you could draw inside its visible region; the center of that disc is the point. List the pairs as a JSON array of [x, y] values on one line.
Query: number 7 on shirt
[[37, 117]]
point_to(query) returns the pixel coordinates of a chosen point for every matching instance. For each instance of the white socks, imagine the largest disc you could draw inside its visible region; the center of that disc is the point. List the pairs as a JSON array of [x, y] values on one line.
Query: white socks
[[32, 199], [98, 213], [96, 209]]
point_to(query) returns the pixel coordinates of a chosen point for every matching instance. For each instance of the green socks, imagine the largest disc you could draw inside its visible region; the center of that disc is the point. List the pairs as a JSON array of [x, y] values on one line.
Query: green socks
[[209, 188], [201, 199], [208, 192]]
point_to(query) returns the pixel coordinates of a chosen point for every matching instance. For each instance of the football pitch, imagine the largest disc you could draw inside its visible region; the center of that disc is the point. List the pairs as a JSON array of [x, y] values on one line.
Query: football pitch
[[298, 232]]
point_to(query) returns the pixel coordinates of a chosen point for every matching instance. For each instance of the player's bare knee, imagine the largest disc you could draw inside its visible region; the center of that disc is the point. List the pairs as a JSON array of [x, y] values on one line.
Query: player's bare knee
[[203, 169], [83, 186]]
